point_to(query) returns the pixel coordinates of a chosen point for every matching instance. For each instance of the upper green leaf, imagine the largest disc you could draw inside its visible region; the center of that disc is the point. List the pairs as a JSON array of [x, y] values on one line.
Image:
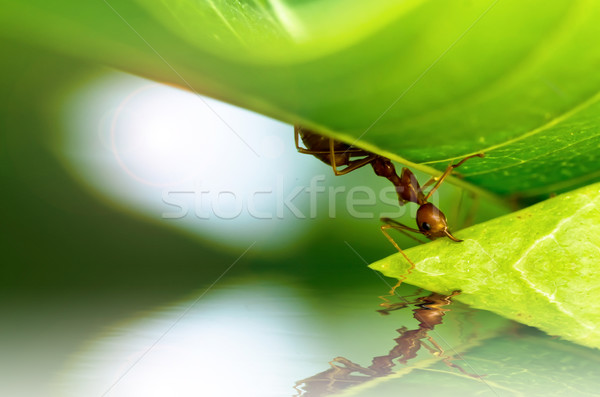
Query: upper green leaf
[[417, 80], [538, 266]]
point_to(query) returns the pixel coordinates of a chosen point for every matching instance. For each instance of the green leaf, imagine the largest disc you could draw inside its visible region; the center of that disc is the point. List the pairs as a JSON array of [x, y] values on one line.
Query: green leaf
[[538, 266], [419, 81]]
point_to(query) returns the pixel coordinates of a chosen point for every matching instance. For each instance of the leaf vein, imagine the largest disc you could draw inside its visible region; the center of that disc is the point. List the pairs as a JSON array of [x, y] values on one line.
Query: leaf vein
[[555, 121], [523, 161], [532, 285]]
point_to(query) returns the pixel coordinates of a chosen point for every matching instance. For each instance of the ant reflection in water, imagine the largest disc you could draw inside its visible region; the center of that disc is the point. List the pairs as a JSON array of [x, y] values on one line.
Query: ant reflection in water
[[429, 311], [431, 221]]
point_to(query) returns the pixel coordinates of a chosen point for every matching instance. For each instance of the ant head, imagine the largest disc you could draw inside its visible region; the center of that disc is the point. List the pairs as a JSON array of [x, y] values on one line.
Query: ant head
[[432, 222]]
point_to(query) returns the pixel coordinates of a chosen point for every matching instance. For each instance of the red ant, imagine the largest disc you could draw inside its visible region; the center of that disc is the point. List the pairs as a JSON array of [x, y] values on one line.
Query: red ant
[[431, 222]]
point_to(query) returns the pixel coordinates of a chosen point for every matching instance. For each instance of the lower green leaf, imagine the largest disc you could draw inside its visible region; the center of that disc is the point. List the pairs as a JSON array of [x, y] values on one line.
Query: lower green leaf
[[538, 266]]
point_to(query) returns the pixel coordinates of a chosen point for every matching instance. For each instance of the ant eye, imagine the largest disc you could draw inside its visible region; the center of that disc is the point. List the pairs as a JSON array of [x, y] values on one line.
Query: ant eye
[[425, 226]]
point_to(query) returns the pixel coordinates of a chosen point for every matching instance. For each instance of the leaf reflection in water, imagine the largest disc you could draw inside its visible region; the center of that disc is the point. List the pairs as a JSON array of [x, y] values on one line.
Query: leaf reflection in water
[[429, 311]]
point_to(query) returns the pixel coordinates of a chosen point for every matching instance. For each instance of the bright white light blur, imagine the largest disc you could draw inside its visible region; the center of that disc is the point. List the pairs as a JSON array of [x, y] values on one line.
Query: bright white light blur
[[155, 135], [162, 152], [251, 341]]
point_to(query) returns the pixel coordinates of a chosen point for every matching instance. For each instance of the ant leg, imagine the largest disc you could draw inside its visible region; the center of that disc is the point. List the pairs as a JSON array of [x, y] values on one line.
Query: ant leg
[[431, 180], [390, 307], [456, 210], [435, 350], [391, 224], [452, 295], [438, 351], [302, 150], [297, 140], [448, 361], [402, 228], [352, 165], [399, 305], [470, 213], [470, 217], [352, 367], [448, 171]]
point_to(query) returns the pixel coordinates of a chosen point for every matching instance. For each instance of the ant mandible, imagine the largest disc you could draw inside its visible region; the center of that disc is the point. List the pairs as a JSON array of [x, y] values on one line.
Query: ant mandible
[[431, 221]]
